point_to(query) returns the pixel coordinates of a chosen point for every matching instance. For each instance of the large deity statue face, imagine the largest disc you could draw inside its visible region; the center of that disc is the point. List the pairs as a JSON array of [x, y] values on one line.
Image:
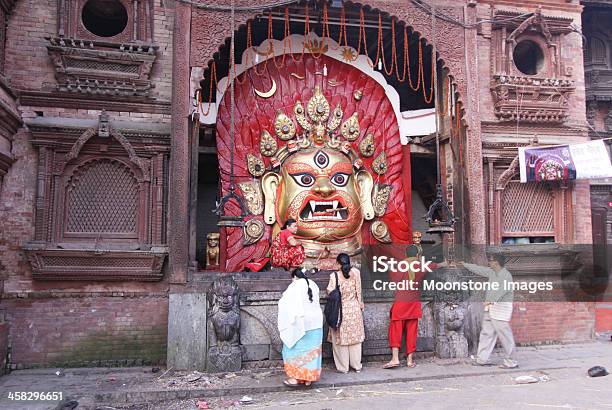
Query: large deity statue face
[[319, 188]]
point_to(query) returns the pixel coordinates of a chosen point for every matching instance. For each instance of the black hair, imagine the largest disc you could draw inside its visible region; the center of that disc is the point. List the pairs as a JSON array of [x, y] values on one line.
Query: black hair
[[501, 259], [288, 222], [412, 251], [345, 264], [299, 273]]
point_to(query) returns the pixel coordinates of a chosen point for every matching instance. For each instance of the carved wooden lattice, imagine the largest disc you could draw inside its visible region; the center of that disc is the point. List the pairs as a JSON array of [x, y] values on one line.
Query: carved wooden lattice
[[77, 64], [527, 208], [92, 262], [102, 197]]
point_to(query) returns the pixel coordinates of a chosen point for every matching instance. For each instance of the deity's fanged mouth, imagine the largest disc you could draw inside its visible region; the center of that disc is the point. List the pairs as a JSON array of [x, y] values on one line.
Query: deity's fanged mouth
[[324, 211]]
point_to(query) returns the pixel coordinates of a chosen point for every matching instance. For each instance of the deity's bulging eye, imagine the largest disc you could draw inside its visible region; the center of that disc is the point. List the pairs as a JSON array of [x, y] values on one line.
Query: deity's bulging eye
[[303, 179], [321, 159], [340, 179]]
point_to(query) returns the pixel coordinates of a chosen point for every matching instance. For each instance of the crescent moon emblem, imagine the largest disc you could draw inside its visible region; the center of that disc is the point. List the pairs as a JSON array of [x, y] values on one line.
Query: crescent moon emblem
[[266, 94]]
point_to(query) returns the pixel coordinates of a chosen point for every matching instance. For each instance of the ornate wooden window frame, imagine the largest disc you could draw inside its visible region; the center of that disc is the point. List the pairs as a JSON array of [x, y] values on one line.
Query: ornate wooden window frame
[[55, 255], [562, 206], [139, 25], [539, 98], [115, 67]]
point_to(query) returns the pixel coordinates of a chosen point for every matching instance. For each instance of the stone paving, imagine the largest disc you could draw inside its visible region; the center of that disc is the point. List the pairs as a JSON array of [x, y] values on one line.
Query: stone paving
[[96, 387]]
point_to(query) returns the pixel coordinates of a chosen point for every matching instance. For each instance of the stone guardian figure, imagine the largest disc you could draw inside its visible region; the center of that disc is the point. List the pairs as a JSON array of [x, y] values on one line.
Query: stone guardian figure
[[224, 350]]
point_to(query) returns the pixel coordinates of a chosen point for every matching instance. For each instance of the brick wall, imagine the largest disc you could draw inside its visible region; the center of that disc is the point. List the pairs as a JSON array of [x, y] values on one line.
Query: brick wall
[[582, 212], [16, 211], [70, 330], [551, 322], [27, 65], [76, 331]]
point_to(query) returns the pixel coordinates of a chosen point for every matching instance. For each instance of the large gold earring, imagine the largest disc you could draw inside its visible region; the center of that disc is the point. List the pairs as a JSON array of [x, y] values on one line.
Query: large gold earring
[[366, 184], [269, 185]]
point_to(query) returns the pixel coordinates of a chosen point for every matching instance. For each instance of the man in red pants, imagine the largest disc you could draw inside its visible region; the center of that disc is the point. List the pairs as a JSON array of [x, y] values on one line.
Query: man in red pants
[[405, 314]]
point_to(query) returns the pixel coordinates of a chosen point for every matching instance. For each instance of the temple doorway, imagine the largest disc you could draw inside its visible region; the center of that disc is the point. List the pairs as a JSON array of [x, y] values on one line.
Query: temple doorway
[[269, 45], [342, 94]]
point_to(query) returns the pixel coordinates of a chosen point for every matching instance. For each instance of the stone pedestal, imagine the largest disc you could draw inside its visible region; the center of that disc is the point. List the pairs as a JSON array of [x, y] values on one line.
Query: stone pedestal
[[224, 358], [187, 331]]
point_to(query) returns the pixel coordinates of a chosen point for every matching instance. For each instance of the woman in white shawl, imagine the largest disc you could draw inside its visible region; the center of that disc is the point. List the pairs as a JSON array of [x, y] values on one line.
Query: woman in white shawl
[[300, 323]]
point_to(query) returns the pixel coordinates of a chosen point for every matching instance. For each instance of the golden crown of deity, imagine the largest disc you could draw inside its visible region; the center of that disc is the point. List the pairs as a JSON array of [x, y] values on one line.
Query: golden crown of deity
[[321, 128]]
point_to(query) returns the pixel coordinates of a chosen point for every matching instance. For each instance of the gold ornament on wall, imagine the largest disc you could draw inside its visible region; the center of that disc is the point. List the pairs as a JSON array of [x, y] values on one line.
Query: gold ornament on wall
[[349, 55], [266, 94], [318, 107], [380, 231], [381, 195], [255, 165], [284, 127], [253, 231], [300, 116], [212, 249], [358, 94], [379, 165], [366, 146], [267, 144], [350, 128], [251, 191], [335, 119]]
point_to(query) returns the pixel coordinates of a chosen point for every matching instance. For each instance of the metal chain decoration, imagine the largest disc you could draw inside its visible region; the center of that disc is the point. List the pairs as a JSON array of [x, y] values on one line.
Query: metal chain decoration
[[445, 224], [231, 220]]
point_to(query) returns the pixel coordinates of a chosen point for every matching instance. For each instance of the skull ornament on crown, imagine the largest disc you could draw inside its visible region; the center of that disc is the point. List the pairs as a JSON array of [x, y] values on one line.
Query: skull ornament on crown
[[297, 155]]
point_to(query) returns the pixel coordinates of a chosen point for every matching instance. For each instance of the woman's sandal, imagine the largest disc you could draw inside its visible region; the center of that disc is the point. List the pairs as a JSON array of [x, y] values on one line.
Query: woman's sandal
[[391, 365], [290, 384], [411, 365]]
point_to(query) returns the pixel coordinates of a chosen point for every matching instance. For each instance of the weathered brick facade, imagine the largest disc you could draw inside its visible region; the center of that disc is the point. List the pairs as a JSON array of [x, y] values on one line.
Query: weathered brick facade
[[88, 329], [552, 322], [95, 323], [72, 323]]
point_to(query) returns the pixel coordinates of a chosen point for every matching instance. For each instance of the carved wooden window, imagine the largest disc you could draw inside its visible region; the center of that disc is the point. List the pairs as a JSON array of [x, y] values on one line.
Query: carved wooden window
[[527, 210], [532, 79], [102, 200], [522, 213], [596, 51], [111, 20], [100, 204], [104, 47]]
